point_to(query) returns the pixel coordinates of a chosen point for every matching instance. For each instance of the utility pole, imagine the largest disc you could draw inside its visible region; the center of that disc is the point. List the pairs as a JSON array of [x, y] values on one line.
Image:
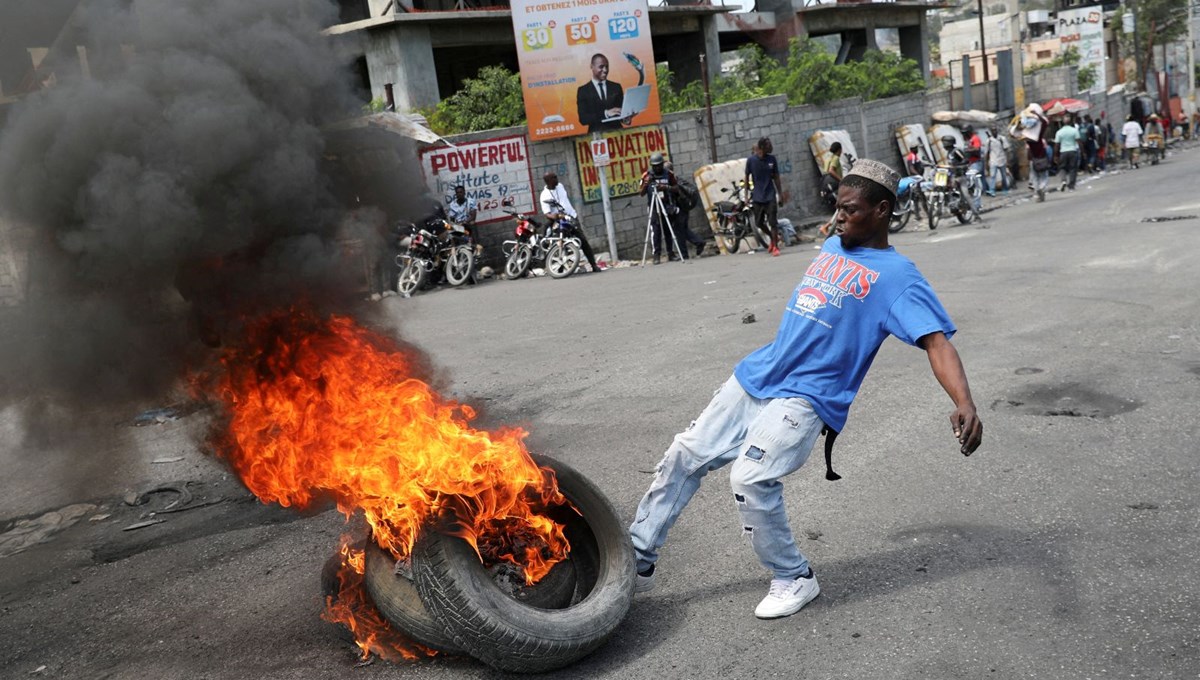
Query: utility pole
[[1013, 9], [1140, 81], [982, 47], [1191, 61]]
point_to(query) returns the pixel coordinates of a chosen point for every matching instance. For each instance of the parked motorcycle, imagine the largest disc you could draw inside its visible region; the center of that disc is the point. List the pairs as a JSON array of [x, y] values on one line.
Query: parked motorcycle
[[558, 247], [735, 219], [437, 247], [956, 194], [910, 196]]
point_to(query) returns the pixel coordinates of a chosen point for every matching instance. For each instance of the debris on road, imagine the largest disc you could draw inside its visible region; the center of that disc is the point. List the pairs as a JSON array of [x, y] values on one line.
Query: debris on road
[[158, 416], [180, 488], [186, 500], [1172, 218], [143, 525], [26, 533], [748, 317], [173, 459]]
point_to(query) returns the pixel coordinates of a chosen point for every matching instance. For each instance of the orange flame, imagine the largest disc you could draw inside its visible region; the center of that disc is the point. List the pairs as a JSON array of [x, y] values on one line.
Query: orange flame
[[323, 408], [352, 608]]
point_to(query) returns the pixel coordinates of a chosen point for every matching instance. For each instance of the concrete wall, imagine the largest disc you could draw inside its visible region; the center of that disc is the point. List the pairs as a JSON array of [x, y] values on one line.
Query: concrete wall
[[1050, 83], [1042, 86], [738, 126]]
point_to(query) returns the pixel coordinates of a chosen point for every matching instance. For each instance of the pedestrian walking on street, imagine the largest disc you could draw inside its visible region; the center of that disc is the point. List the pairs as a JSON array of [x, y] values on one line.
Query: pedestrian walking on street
[[1087, 144], [1066, 145], [766, 418], [768, 193], [997, 161], [1102, 140], [1131, 131], [1038, 151]]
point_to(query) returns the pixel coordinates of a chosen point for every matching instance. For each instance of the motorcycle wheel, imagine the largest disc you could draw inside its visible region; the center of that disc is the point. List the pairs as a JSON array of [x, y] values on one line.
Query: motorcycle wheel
[[518, 261], [963, 211], [563, 259], [935, 212], [460, 266], [761, 235], [412, 277], [729, 235], [900, 220]]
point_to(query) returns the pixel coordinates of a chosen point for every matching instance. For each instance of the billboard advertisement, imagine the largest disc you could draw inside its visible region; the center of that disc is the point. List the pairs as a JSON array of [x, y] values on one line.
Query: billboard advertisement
[[489, 170], [628, 152], [1084, 29], [586, 66]]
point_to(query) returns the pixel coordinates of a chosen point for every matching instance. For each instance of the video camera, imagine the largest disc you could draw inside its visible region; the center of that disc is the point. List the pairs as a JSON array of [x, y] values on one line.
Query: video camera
[[660, 183]]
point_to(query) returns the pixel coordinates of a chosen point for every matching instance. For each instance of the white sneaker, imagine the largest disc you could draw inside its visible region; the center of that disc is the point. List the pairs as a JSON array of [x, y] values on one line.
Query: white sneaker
[[786, 597], [645, 581]]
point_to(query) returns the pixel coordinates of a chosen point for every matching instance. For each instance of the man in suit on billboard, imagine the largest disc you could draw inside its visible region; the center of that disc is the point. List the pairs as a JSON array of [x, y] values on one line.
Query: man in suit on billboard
[[600, 98]]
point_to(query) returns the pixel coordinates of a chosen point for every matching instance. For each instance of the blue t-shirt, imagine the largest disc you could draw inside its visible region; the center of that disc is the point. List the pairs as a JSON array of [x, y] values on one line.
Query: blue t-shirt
[[846, 305], [763, 171]]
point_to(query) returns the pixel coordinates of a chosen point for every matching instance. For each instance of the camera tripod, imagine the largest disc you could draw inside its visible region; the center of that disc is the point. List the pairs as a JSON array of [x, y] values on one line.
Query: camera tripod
[[659, 209]]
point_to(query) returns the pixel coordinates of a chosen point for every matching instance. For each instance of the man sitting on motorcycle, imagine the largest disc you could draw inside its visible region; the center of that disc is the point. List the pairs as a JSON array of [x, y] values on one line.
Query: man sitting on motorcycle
[[556, 206], [462, 210], [913, 163], [959, 163]]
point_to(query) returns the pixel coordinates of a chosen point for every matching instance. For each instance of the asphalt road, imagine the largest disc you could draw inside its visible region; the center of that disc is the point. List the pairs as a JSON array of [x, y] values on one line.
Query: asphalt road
[[1064, 548]]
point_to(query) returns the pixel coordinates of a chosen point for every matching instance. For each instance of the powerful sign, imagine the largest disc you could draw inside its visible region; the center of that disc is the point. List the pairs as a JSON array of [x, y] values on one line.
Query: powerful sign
[[1084, 29], [490, 171], [586, 65], [629, 155]]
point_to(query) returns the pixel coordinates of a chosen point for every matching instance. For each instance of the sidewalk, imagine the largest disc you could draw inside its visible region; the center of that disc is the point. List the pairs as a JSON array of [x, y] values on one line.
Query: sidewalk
[[806, 227]]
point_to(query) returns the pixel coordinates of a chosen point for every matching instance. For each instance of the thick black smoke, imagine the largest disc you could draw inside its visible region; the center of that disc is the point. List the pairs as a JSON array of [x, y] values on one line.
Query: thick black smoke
[[180, 186]]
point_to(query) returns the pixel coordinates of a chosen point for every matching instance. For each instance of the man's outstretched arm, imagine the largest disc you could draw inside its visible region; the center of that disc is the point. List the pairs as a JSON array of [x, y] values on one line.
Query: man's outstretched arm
[[948, 369]]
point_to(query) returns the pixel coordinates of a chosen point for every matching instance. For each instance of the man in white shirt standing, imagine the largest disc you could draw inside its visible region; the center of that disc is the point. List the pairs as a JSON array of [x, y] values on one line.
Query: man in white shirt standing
[[557, 193], [1132, 132]]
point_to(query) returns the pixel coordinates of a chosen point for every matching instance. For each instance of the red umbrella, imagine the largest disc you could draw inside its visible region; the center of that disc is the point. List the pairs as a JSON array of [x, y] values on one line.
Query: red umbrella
[[1064, 105]]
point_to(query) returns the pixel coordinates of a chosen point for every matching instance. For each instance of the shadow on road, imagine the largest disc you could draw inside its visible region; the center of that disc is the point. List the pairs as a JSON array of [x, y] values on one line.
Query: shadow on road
[[923, 556]]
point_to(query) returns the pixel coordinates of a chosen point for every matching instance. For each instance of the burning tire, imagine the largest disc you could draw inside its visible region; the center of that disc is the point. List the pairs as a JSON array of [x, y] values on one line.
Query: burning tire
[[395, 595], [331, 586], [510, 635]]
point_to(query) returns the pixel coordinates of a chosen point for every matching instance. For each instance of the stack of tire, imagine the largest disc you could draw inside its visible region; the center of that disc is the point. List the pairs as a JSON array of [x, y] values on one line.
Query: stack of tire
[[444, 598]]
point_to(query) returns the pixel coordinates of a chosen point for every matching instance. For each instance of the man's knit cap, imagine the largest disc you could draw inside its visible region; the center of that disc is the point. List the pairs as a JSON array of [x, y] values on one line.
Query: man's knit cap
[[877, 172]]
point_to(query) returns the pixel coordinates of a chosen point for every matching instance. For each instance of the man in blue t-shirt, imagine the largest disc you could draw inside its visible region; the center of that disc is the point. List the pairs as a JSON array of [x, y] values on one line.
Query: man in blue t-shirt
[[768, 415], [768, 193]]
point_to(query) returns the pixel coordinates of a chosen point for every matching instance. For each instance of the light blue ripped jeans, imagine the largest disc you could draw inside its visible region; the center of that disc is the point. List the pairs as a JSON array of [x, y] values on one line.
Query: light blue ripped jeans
[[765, 439]]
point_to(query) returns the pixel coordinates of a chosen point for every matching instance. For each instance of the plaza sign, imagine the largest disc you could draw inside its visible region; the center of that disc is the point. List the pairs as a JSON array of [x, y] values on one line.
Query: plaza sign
[[1084, 29]]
